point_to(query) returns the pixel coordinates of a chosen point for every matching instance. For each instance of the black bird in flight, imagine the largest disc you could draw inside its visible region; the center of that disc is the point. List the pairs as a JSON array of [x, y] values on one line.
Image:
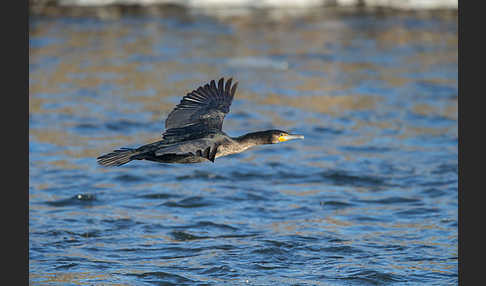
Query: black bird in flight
[[193, 131]]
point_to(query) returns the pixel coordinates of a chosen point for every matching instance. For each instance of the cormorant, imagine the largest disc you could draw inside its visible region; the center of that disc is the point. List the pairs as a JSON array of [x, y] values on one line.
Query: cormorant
[[193, 131]]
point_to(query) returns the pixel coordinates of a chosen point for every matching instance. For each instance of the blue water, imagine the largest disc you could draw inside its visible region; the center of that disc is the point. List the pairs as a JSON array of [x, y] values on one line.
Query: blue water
[[368, 198]]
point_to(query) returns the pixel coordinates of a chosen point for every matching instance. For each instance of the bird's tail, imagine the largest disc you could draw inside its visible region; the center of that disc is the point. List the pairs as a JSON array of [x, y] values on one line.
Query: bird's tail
[[117, 157]]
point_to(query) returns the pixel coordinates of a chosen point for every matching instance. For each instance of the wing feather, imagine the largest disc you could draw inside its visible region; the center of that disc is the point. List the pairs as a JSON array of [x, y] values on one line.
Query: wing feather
[[202, 110]]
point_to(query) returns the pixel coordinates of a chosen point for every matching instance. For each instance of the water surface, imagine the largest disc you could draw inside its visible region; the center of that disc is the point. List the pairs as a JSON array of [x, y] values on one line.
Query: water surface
[[368, 198]]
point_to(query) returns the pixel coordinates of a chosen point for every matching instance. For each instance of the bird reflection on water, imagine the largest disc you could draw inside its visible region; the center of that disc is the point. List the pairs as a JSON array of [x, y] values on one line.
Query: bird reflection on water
[[194, 131]]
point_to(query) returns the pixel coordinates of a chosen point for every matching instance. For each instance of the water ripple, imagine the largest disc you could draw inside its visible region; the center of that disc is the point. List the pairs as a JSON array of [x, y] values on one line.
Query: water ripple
[[77, 200], [163, 278], [191, 202]]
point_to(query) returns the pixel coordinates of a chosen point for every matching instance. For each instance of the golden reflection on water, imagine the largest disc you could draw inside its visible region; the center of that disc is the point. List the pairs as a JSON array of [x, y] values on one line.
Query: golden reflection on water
[[77, 278], [106, 55]]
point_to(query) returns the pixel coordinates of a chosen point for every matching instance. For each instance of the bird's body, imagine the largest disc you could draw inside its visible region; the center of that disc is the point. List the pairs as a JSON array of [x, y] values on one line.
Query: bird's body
[[193, 132]]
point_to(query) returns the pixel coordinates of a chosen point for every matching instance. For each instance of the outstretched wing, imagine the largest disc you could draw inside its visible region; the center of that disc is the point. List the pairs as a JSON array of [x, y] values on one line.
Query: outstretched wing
[[202, 109]]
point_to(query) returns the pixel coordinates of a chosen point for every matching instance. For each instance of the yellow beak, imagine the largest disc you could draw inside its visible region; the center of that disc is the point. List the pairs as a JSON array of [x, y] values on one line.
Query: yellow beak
[[288, 137]]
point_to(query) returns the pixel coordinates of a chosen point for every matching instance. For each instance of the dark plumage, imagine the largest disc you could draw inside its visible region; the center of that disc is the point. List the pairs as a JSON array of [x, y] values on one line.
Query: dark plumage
[[194, 131]]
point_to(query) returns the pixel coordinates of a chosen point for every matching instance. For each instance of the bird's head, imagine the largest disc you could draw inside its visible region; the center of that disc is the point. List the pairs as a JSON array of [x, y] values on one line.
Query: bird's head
[[277, 136], [268, 137]]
